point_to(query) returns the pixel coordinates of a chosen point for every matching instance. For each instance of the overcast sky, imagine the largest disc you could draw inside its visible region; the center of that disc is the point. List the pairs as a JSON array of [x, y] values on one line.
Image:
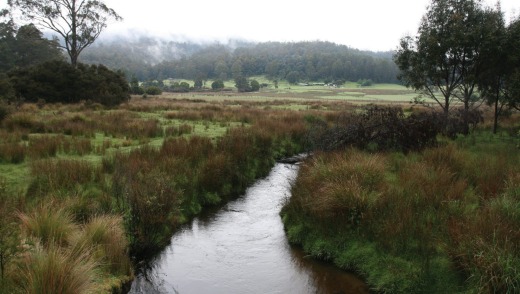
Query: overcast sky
[[375, 25]]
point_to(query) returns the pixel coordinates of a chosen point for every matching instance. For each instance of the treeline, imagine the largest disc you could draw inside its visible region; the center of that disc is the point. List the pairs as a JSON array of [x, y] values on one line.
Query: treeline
[[149, 59]]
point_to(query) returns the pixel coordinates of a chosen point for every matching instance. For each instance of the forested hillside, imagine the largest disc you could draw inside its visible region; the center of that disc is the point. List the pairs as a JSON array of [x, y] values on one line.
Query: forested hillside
[[149, 58]]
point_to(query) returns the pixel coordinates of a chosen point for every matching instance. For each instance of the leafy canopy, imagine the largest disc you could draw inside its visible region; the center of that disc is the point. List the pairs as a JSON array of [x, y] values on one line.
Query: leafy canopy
[[77, 22]]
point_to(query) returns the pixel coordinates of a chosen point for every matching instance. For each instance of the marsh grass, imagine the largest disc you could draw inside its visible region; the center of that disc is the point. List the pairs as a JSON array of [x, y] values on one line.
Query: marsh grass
[[64, 256], [48, 226], [105, 239], [44, 146], [52, 269], [23, 121], [155, 173], [61, 175], [446, 219], [175, 131], [14, 153]]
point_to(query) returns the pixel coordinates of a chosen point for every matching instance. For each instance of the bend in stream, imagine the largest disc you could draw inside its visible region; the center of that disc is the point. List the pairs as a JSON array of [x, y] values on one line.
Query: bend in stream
[[242, 248]]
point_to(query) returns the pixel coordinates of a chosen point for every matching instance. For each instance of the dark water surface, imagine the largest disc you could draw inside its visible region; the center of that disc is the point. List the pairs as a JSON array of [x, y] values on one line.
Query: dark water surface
[[242, 248]]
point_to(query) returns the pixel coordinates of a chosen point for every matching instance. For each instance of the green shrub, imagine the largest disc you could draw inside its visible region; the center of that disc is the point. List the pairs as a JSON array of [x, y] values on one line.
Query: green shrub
[[58, 81]]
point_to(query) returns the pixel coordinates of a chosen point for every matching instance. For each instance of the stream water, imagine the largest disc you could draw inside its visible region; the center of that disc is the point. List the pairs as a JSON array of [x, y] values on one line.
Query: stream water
[[242, 248]]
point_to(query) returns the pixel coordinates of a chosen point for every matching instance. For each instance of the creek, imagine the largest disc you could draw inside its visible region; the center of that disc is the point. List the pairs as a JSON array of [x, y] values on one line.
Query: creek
[[242, 248]]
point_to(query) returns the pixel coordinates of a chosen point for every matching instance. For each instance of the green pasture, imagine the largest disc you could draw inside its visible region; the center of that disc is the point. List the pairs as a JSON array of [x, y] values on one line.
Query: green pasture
[[350, 91]]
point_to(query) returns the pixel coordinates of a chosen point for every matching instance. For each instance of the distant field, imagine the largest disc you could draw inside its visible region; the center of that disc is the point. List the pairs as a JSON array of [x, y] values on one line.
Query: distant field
[[351, 92]]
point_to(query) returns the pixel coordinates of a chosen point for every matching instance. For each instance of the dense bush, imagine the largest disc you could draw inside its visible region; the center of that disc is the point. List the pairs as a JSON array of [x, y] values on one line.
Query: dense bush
[[217, 85], [388, 128], [153, 90], [58, 81]]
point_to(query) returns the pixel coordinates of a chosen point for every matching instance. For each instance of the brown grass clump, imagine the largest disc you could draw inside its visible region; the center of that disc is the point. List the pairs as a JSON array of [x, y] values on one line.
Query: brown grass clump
[[49, 226], [104, 237], [341, 185], [52, 269], [61, 174], [442, 204], [12, 152]]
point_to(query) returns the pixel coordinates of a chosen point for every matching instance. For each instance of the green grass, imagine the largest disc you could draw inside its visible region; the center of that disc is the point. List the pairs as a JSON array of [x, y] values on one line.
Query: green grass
[[406, 222], [377, 93], [16, 177]]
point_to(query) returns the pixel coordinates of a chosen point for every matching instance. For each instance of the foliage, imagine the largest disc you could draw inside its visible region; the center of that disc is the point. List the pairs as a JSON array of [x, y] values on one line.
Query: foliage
[[365, 82], [242, 84], [153, 90], [245, 85], [179, 87], [58, 81], [444, 59], [25, 47], [217, 85], [78, 23], [197, 84], [498, 82], [134, 87], [313, 60], [379, 128], [293, 77], [255, 86], [158, 189]]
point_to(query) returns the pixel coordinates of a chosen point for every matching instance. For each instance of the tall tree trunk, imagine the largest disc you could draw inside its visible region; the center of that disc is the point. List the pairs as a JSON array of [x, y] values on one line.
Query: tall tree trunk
[[495, 119]]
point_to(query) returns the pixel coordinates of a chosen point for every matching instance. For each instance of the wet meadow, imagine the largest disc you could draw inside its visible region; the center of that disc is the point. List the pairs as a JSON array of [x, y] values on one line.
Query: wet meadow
[[87, 191]]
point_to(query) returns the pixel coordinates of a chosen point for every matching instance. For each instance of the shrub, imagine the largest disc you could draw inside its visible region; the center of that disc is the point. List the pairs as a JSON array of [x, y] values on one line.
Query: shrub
[[217, 85], [153, 90], [58, 81], [379, 128]]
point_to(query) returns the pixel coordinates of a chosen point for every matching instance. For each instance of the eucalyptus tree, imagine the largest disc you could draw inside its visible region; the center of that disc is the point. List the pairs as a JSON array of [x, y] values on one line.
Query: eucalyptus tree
[[78, 22], [500, 81], [444, 60]]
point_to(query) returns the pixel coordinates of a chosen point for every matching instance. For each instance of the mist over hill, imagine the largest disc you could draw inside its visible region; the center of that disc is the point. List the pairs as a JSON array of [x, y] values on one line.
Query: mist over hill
[[149, 57]]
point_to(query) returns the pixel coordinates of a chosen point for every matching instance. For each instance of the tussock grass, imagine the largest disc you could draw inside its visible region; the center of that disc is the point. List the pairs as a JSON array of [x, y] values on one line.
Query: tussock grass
[[155, 173], [63, 256], [48, 226], [104, 237], [350, 185], [52, 269], [445, 219]]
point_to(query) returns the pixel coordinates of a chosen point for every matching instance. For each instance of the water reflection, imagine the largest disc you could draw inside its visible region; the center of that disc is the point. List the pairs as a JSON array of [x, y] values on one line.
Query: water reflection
[[242, 248], [326, 277]]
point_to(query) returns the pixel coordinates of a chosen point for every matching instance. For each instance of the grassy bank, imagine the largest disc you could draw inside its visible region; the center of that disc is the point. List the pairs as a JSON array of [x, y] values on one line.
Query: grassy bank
[[444, 220], [86, 189]]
